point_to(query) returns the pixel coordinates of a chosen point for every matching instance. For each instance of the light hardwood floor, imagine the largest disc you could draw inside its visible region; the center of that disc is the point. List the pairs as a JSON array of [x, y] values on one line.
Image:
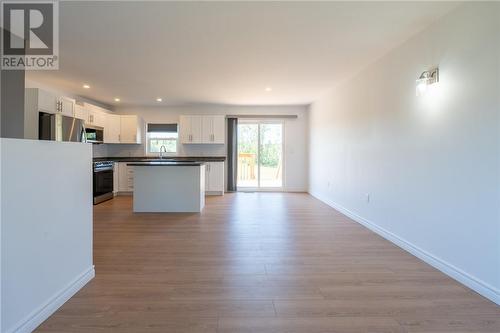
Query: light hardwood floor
[[260, 262]]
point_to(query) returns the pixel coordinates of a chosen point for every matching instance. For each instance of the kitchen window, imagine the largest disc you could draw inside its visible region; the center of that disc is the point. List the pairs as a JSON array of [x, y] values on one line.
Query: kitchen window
[[161, 135]]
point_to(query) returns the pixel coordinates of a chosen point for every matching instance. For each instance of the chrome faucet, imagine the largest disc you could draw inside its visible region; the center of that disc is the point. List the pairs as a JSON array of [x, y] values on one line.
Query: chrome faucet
[[163, 149]]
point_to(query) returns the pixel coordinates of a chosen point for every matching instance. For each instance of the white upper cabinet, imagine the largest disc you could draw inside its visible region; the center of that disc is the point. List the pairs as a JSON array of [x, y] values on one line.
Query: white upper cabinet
[[66, 106], [112, 129], [38, 100], [117, 128], [191, 129], [47, 102], [96, 116], [218, 128], [207, 129], [130, 129], [81, 112], [44, 101], [202, 129]]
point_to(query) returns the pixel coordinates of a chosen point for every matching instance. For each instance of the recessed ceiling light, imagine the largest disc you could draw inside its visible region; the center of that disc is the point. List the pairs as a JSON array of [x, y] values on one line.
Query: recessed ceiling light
[[86, 86], [159, 99], [117, 99], [268, 89]]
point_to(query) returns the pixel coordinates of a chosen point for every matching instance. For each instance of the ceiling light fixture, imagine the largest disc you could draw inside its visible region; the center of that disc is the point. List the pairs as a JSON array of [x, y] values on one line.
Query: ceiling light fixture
[[117, 99], [86, 86], [268, 89], [159, 99], [426, 79]]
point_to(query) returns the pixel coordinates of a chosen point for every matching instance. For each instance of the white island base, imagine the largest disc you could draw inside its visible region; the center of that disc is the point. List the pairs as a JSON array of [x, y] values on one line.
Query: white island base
[[169, 187]]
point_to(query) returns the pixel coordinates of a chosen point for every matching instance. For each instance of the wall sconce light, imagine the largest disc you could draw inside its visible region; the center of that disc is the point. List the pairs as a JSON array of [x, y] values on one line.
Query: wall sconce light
[[426, 79]]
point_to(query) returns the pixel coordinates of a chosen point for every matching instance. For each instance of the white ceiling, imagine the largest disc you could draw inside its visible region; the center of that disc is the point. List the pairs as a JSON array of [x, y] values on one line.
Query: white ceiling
[[225, 52]]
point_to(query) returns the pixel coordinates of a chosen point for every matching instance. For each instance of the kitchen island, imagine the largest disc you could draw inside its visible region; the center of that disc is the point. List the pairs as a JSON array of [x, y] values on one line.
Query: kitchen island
[[168, 186]]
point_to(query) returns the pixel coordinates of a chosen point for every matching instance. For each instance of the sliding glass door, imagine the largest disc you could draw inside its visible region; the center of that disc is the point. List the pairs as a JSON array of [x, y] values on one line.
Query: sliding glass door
[[260, 155]]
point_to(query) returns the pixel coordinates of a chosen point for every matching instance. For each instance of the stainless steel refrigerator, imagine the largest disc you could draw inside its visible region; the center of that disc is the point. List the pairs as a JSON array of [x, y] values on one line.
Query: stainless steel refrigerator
[[57, 127]]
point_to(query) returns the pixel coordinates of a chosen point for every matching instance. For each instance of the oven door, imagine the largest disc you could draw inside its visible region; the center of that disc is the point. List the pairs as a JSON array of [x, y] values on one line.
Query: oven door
[[103, 185]]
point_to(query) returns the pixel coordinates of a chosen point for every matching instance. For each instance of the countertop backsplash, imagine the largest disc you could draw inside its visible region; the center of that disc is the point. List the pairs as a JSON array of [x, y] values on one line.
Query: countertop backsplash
[[134, 150], [99, 150]]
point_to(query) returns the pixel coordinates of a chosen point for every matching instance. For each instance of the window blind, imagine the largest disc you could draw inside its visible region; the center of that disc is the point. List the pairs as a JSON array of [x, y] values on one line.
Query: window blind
[[152, 128]]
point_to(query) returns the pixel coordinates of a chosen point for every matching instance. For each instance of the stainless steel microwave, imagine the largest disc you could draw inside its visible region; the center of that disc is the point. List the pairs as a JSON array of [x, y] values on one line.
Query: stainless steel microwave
[[94, 134]]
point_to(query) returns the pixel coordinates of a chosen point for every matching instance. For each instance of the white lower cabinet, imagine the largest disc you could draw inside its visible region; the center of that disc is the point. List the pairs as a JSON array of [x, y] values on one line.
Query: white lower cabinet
[[214, 178], [125, 177], [116, 173]]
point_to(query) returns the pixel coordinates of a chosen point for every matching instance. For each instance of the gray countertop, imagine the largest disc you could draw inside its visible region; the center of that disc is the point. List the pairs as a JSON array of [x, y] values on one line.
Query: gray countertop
[[166, 158], [165, 163]]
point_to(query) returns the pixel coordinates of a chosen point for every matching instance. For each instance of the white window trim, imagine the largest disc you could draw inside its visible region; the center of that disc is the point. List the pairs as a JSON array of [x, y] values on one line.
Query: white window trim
[[146, 146]]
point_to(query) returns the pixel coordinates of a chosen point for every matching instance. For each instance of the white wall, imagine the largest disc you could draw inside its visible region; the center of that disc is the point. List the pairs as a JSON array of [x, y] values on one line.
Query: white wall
[[295, 135], [430, 164], [46, 228]]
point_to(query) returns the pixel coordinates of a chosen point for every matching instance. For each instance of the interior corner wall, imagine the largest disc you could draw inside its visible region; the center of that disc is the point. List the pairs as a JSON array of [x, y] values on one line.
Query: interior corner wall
[[45, 228], [424, 172]]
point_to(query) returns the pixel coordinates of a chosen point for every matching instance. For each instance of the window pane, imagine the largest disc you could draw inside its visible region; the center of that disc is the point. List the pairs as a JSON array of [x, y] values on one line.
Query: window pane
[[158, 139], [247, 155], [162, 135], [271, 155]]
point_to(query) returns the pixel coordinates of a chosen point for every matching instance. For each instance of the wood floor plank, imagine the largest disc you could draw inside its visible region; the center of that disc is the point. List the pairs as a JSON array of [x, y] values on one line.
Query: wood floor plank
[[310, 325], [260, 262]]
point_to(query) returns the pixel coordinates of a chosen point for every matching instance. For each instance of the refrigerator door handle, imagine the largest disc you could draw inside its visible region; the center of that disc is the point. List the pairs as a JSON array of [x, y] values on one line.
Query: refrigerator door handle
[[83, 137]]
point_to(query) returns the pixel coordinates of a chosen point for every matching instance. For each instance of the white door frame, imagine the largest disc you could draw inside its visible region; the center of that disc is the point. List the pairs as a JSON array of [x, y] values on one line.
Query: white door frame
[[260, 121]]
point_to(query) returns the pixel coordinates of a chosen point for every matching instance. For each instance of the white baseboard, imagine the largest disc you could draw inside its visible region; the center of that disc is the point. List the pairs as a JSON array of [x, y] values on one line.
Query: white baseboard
[[38, 316], [456, 273], [214, 193]]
